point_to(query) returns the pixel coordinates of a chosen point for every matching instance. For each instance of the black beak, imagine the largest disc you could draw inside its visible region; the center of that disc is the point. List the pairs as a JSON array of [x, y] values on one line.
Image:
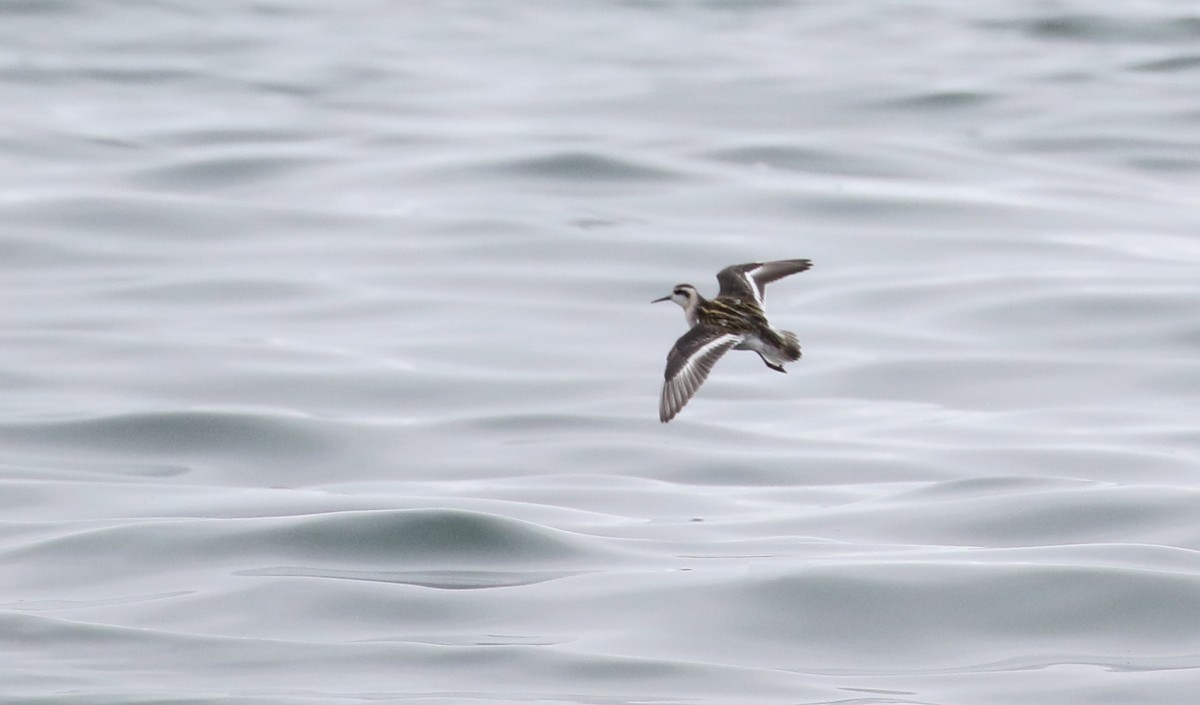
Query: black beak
[[665, 298]]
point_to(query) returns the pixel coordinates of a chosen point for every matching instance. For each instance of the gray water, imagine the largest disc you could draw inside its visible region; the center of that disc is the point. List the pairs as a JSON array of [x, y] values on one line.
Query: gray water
[[330, 374]]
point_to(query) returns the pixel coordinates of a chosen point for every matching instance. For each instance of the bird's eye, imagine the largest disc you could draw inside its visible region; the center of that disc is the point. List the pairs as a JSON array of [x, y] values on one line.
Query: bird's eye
[[681, 292]]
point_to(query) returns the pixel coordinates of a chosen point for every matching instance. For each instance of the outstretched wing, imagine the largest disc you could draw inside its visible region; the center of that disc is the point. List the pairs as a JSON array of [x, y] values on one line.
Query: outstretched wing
[[689, 363], [748, 281]]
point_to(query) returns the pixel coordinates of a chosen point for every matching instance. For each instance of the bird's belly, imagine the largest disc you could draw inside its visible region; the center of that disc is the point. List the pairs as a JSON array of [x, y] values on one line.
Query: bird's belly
[[770, 350], [755, 343]]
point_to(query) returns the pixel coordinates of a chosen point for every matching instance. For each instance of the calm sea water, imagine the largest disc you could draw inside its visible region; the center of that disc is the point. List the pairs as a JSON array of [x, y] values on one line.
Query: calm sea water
[[330, 374]]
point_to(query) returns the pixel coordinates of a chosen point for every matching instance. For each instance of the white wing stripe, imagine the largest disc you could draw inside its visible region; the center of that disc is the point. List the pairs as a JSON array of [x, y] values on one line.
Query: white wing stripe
[[689, 367], [679, 388], [752, 283]]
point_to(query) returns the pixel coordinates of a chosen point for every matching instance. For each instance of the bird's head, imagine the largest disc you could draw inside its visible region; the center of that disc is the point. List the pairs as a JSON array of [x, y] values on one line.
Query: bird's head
[[684, 294]]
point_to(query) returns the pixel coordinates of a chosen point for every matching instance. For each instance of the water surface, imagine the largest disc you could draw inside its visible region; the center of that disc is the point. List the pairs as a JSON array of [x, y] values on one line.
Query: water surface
[[330, 374]]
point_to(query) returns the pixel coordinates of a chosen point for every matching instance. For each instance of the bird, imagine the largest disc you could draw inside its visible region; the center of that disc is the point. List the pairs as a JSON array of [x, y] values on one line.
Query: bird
[[734, 320]]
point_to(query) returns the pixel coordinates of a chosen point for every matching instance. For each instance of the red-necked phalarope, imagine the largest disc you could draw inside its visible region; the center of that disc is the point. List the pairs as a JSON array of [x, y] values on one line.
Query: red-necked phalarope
[[735, 320]]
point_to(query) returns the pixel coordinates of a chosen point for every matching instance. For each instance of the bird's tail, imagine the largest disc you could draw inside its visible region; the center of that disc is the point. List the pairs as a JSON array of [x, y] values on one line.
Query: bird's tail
[[782, 347], [790, 345]]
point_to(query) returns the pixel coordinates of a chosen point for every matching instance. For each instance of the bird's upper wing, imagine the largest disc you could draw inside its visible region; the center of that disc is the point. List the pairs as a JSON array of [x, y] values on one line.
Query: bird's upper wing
[[748, 281], [689, 363]]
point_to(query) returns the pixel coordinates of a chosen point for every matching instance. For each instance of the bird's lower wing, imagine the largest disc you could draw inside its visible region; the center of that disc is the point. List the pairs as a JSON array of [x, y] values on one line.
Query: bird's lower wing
[[689, 363]]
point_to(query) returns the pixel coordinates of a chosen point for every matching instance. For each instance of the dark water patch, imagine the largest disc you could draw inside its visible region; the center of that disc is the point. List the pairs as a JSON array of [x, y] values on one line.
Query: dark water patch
[[36, 8], [735, 6], [936, 101], [1166, 165], [1124, 145], [1131, 152], [1098, 28], [220, 173], [586, 166], [1171, 64], [428, 536], [140, 76], [814, 160], [439, 579], [370, 543], [513, 421], [921, 207], [231, 135], [803, 466], [201, 434]]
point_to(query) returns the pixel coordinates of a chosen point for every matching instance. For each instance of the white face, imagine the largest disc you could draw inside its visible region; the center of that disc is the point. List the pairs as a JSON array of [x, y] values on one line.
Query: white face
[[683, 295]]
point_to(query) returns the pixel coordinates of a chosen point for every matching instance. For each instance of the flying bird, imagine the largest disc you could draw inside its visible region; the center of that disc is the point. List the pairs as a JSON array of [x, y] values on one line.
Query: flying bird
[[735, 320]]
